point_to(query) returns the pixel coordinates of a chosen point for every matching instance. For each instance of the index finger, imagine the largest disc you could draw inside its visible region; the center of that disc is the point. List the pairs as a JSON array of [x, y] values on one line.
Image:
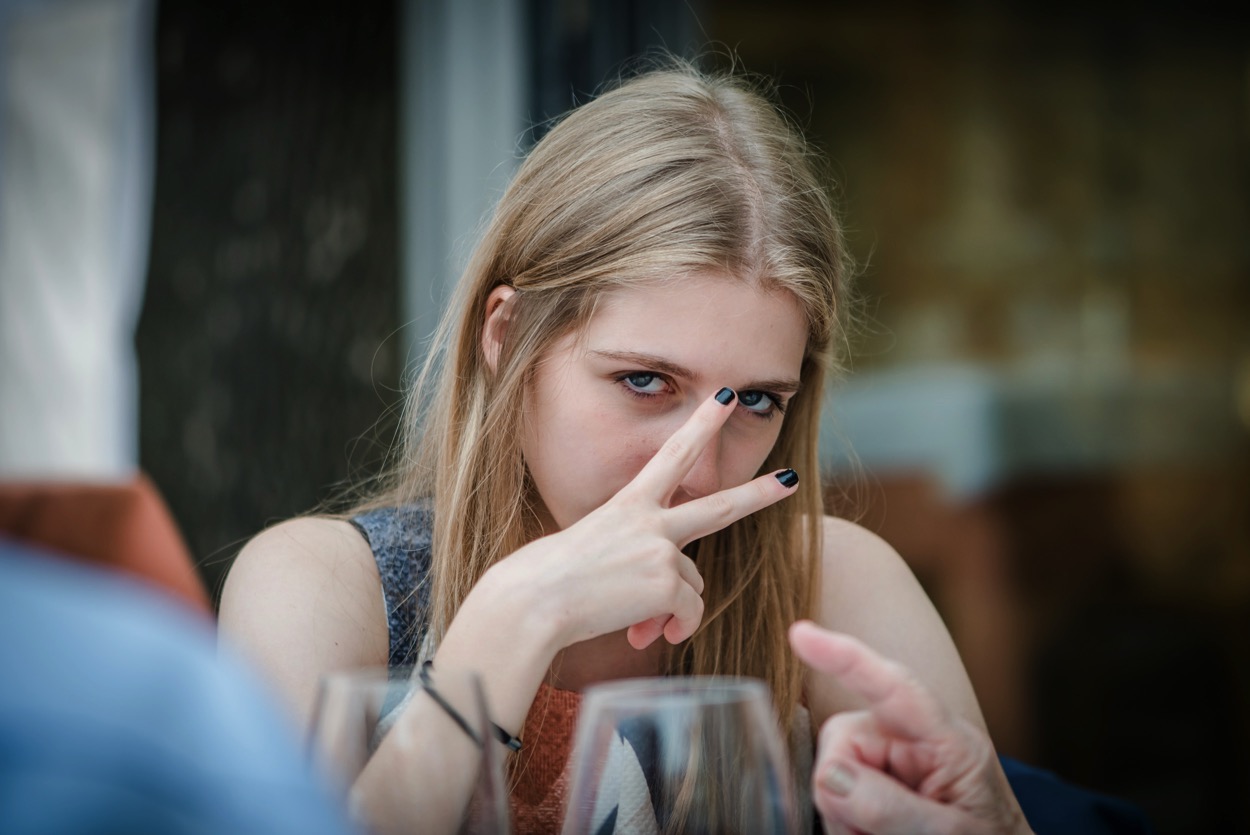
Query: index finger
[[672, 461], [896, 700]]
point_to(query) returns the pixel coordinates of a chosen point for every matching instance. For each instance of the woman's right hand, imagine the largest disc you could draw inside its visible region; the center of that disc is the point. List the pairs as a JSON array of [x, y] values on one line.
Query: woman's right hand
[[621, 566]]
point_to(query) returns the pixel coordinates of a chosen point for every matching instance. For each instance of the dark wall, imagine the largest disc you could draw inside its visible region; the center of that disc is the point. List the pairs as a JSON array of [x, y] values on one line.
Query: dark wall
[[1006, 170], [577, 48], [267, 345]]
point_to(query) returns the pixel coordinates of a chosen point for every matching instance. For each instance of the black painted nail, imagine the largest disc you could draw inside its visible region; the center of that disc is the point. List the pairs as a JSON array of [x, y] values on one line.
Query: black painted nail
[[788, 478], [725, 396]]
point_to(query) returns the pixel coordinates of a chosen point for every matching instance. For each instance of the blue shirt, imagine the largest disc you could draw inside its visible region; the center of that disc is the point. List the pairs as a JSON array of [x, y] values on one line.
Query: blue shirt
[[118, 715]]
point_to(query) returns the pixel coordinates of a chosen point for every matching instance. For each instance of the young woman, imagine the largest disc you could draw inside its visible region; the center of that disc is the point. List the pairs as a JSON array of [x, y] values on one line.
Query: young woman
[[611, 471]]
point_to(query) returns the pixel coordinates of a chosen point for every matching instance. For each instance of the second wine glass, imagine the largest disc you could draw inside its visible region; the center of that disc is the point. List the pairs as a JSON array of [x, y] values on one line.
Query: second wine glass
[[692, 755]]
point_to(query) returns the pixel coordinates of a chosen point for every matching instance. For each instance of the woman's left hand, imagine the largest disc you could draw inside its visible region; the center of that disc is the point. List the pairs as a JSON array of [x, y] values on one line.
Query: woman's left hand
[[903, 763]]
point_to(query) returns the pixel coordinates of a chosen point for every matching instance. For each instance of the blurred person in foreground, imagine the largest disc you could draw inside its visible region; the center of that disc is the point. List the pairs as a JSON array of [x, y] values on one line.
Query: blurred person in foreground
[[118, 715]]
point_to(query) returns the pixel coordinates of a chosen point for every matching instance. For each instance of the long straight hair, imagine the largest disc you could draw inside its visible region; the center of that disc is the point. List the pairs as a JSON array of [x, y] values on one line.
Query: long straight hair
[[670, 173]]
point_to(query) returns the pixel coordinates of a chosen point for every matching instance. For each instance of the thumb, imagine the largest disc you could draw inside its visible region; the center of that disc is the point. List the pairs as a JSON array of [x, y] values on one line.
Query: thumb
[[853, 797]]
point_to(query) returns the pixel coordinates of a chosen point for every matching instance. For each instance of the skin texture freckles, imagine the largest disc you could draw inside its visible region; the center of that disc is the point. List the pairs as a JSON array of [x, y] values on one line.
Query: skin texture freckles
[[602, 404]]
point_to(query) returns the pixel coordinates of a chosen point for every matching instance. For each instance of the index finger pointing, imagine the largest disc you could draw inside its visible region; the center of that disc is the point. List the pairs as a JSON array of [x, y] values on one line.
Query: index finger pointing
[[670, 464], [899, 703]]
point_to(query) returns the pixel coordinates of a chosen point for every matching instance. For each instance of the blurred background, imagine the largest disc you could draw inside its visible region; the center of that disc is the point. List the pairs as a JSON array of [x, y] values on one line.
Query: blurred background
[[1048, 405]]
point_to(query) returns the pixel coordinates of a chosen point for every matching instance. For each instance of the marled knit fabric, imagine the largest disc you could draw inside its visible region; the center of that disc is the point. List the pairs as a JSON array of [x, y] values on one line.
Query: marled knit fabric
[[400, 541], [542, 779]]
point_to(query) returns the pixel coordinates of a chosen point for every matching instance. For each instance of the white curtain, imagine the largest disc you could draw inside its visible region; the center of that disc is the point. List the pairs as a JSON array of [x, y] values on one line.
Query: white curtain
[[76, 170]]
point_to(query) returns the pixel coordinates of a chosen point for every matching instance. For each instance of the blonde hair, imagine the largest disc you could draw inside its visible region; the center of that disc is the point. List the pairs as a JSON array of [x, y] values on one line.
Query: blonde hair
[[672, 172]]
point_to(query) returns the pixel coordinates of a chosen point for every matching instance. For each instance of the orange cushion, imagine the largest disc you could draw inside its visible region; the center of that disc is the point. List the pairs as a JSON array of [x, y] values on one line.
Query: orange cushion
[[123, 526]]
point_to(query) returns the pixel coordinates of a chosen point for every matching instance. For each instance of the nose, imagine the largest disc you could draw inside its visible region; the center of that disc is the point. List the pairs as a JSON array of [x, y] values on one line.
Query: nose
[[704, 477]]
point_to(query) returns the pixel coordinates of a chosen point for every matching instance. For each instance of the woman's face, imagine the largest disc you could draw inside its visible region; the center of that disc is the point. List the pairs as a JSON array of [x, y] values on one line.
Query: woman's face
[[602, 402]]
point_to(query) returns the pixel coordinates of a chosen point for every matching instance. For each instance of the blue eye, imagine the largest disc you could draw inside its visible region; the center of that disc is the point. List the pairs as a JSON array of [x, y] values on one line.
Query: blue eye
[[758, 402], [643, 383]]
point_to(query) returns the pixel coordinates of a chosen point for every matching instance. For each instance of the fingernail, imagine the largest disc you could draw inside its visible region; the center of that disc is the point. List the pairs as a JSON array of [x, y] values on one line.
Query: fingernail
[[838, 779], [788, 478], [725, 396]]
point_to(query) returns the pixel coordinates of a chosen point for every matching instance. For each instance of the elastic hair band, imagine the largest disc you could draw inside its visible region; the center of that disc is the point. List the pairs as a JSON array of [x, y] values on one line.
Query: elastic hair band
[[428, 686]]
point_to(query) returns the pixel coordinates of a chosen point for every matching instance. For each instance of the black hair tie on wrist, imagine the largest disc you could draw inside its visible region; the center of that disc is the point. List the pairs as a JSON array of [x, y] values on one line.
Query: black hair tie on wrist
[[428, 686]]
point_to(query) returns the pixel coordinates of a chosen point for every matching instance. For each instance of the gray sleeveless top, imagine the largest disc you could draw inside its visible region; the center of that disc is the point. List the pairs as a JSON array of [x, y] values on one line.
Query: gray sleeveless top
[[400, 541]]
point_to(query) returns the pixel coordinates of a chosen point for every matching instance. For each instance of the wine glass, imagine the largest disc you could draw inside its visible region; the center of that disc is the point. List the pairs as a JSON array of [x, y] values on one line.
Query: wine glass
[[401, 761], [699, 754]]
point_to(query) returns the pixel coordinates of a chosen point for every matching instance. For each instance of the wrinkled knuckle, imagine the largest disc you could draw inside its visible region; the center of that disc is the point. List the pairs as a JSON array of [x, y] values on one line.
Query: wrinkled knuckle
[[675, 450], [765, 490], [721, 509], [836, 728]]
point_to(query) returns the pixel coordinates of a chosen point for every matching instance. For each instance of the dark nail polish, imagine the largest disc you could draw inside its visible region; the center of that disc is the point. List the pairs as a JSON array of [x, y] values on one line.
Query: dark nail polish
[[725, 396], [788, 478]]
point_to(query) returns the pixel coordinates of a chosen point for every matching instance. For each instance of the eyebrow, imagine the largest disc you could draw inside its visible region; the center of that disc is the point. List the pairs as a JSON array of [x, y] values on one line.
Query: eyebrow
[[651, 362]]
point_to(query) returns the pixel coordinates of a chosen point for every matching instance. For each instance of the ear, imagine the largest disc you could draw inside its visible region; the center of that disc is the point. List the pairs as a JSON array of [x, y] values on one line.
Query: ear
[[495, 324]]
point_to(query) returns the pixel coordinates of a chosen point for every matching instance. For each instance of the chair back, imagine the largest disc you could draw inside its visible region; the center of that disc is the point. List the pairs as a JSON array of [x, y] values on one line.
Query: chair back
[[122, 526]]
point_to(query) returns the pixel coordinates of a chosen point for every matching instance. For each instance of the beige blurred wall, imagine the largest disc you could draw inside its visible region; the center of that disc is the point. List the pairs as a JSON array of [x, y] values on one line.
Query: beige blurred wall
[[1050, 205]]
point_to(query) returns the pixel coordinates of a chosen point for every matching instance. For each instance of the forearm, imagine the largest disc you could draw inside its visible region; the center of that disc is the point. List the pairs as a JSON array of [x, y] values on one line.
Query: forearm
[[424, 771], [504, 634], [427, 767]]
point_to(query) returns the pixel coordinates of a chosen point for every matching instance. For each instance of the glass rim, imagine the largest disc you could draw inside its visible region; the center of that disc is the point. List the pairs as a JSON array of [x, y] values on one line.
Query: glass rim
[[367, 675], [645, 691], [397, 675]]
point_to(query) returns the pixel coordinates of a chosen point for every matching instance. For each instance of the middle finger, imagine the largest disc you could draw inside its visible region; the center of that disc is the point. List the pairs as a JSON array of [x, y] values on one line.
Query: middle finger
[[700, 517]]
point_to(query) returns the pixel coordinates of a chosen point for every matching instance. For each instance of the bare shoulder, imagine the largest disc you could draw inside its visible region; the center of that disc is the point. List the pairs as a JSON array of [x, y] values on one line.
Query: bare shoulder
[[304, 551], [303, 598], [849, 550], [860, 571], [867, 590]]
